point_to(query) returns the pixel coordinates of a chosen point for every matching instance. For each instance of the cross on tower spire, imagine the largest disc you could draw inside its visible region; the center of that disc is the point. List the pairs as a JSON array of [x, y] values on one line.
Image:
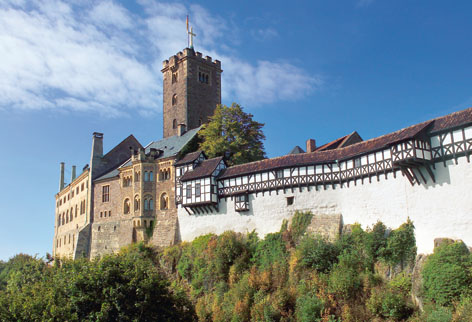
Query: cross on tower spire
[[191, 35]]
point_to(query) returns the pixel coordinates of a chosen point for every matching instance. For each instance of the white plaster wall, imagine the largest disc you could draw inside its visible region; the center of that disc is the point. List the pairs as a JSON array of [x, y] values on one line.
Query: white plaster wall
[[443, 209]]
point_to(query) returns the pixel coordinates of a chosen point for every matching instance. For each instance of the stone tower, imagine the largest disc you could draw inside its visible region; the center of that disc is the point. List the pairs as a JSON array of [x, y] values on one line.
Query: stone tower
[[192, 89]]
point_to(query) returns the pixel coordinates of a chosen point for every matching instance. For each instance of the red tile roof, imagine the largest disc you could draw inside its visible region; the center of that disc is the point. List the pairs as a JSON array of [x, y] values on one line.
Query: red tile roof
[[204, 169]]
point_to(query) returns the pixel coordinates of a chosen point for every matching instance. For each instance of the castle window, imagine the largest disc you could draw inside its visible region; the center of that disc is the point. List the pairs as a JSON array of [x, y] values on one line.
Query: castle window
[[63, 219], [164, 202], [188, 191], [77, 191], [67, 216], [174, 124], [357, 163], [174, 99], [197, 190], [146, 176], [71, 216], [98, 228], [114, 228], [174, 77], [151, 176], [137, 176], [126, 206], [290, 200], [76, 210], [82, 187], [105, 193], [109, 213], [151, 204], [136, 203], [101, 214], [241, 202], [146, 204]]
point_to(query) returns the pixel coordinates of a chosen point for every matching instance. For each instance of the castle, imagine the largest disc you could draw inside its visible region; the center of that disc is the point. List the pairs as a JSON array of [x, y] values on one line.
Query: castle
[[168, 191]]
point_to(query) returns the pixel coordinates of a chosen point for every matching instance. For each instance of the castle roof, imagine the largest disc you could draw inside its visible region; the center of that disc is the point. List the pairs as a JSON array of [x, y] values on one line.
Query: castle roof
[[346, 140], [170, 147], [297, 150], [436, 125], [189, 158], [204, 169]]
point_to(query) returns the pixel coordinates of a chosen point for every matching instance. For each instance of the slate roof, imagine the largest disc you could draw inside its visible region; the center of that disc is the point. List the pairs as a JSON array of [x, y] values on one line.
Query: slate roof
[[170, 146], [189, 158], [297, 150], [205, 169], [346, 140], [363, 147]]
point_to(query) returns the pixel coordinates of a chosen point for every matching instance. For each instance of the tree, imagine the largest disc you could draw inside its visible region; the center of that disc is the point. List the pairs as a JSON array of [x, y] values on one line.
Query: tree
[[232, 130]]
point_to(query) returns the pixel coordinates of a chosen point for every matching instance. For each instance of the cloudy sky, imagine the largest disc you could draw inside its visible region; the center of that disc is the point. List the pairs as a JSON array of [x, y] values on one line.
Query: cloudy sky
[[318, 70]]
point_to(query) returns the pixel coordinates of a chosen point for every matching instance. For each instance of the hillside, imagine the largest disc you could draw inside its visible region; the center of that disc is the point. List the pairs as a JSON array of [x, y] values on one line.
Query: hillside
[[288, 276]]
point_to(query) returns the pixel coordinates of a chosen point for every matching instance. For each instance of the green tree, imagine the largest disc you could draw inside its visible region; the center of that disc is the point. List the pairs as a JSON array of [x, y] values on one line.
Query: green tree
[[447, 274], [232, 130]]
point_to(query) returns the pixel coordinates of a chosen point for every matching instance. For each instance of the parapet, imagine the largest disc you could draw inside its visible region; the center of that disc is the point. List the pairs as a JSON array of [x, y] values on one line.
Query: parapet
[[186, 54]]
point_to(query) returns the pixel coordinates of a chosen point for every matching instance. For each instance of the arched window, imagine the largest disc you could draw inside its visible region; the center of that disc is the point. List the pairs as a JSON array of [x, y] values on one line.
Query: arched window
[[146, 176], [174, 124], [136, 203], [146, 204], [174, 77], [67, 216], [71, 214], [151, 176], [151, 204], [58, 220], [63, 219], [126, 206], [174, 99], [164, 202]]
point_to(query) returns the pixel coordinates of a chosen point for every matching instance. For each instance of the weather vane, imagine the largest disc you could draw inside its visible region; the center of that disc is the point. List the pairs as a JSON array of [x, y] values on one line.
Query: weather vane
[[190, 36]]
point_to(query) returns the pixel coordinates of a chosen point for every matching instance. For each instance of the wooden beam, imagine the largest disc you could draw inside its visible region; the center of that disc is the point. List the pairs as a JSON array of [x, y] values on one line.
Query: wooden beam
[[430, 172]]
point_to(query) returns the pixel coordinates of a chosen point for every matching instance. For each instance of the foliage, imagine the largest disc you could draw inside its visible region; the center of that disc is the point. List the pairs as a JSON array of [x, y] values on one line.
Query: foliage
[[317, 253], [300, 222], [123, 287], [447, 274], [286, 276], [233, 131], [401, 245]]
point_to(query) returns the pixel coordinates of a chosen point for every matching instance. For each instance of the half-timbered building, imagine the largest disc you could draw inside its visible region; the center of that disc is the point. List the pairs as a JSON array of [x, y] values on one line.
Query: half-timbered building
[[422, 172]]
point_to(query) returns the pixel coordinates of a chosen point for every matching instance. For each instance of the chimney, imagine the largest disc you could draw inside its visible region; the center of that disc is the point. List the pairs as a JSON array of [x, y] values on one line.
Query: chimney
[[61, 180], [310, 145], [72, 178], [181, 129], [97, 151]]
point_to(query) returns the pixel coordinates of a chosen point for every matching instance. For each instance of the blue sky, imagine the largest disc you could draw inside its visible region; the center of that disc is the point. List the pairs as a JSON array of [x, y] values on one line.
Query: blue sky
[[307, 69]]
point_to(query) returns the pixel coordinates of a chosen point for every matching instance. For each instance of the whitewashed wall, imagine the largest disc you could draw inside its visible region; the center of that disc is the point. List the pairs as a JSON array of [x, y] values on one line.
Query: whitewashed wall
[[443, 209]]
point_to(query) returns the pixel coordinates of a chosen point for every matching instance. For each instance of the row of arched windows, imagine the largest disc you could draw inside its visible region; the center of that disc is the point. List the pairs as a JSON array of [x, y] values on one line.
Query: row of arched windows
[[67, 216], [59, 240], [148, 203]]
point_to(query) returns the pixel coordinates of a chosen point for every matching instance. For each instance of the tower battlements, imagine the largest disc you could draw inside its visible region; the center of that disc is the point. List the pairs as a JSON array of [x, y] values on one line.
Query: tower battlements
[[189, 53]]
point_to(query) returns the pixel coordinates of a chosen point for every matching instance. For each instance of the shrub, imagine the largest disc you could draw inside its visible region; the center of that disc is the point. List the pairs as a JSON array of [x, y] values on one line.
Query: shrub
[[439, 314], [309, 308], [463, 311], [376, 241], [317, 253], [401, 245], [269, 250], [300, 222], [446, 274], [389, 304]]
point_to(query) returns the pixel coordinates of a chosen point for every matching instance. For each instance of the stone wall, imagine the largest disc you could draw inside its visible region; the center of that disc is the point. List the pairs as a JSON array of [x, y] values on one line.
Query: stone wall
[[441, 209]]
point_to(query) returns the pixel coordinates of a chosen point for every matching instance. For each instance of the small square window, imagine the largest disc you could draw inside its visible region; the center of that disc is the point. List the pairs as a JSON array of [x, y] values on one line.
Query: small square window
[[290, 200]]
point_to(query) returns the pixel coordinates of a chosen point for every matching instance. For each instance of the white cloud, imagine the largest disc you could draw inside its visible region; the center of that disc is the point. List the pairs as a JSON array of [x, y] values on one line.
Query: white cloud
[[98, 56], [264, 34]]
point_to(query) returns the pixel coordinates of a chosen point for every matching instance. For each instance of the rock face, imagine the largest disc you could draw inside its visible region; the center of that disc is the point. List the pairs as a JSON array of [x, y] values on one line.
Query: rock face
[[328, 226], [417, 281]]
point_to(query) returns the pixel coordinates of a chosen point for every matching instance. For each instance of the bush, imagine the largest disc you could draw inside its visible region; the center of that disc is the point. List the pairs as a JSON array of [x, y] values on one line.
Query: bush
[[401, 245], [309, 308], [269, 250], [439, 314], [317, 253], [300, 222], [389, 304], [463, 310], [446, 274]]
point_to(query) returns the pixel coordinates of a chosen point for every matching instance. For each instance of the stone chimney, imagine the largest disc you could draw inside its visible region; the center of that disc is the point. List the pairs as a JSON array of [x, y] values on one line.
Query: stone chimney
[[182, 129], [73, 176], [310, 145], [97, 151], [61, 180]]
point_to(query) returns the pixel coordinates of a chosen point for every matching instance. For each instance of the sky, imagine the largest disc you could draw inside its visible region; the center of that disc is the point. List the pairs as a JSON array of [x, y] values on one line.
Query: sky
[[306, 69]]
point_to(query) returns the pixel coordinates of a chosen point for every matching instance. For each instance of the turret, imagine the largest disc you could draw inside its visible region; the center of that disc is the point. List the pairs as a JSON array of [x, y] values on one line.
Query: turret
[[97, 152]]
